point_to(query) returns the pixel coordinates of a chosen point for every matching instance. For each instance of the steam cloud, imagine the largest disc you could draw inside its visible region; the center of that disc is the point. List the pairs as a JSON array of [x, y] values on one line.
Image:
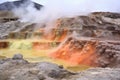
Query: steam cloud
[[54, 9]]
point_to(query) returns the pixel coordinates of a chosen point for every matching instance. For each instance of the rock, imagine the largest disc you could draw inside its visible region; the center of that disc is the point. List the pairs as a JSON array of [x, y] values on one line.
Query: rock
[[41, 76], [109, 54], [18, 69], [17, 57], [53, 71], [6, 29], [98, 25], [99, 74], [50, 71], [9, 6]]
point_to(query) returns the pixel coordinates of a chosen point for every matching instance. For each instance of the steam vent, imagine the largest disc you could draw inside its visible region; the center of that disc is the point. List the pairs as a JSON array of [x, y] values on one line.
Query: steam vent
[[88, 43]]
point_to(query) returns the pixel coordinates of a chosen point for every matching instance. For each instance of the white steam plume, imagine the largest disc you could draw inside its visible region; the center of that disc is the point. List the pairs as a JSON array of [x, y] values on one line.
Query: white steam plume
[[54, 9]]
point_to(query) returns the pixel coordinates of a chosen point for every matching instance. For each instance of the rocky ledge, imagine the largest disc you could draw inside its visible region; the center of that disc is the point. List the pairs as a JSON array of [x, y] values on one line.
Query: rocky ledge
[[17, 68]]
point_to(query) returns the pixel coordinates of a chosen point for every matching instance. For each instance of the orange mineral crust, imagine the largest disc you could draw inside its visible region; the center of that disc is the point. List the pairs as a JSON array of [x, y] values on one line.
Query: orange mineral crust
[[76, 52]]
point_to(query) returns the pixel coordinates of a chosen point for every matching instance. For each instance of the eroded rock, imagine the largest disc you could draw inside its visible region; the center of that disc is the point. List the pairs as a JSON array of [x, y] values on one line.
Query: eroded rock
[[50, 71]]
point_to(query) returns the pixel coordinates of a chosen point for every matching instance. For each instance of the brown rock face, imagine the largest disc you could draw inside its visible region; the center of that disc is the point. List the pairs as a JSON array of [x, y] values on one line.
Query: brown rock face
[[100, 28], [99, 25], [109, 54]]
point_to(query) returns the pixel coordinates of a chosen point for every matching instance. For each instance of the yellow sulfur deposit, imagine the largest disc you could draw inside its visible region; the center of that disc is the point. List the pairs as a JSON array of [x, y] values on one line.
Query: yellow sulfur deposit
[[24, 45]]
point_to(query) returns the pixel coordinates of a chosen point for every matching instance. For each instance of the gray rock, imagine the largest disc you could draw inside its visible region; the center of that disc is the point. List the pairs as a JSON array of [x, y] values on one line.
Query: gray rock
[[100, 74], [17, 57], [17, 4], [52, 70], [9, 70]]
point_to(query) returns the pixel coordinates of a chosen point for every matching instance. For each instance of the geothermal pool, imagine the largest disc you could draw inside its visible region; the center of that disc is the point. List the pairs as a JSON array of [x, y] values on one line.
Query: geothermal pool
[[36, 53]]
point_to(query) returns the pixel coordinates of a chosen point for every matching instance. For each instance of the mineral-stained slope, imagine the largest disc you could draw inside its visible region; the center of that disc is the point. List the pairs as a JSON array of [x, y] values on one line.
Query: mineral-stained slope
[[92, 40], [100, 28], [104, 25], [75, 35]]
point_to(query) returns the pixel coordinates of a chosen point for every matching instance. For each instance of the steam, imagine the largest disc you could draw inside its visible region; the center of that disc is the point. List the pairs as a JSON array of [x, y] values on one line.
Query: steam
[[54, 9]]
